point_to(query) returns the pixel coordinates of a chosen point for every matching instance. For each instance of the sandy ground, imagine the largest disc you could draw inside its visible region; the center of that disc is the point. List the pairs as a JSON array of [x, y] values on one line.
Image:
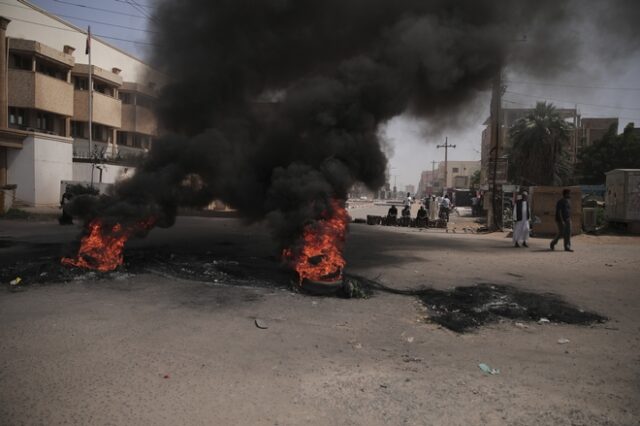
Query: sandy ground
[[147, 349]]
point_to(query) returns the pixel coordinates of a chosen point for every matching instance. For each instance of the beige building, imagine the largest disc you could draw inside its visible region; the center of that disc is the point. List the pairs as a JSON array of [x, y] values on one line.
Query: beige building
[[44, 106], [458, 174]]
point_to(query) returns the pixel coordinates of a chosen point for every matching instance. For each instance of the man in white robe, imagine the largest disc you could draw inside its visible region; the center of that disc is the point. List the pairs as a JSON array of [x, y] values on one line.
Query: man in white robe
[[521, 218], [434, 209]]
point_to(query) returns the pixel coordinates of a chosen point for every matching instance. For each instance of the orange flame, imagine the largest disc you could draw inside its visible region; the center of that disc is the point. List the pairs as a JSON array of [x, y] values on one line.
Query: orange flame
[[320, 254], [102, 248]]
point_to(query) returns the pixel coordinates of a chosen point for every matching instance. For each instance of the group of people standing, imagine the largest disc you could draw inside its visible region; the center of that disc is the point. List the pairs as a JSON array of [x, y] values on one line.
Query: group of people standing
[[522, 217]]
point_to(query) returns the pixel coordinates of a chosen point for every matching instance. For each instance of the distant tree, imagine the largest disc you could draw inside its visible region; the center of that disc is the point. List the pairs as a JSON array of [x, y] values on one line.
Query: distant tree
[[474, 180], [613, 151], [540, 148]]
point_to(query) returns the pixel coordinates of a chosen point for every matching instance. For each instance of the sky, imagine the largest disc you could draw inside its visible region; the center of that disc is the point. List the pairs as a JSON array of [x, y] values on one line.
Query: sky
[[598, 88]]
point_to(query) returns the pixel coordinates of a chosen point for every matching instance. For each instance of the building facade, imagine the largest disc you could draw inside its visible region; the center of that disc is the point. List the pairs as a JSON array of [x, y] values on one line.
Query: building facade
[[44, 124]]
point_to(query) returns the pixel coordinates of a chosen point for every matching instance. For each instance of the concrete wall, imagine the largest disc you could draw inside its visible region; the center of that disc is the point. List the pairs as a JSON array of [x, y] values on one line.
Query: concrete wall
[[110, 173], [39, 167], [106, 110], [21, 171], [52, 165], [28, 89], [138, 119]]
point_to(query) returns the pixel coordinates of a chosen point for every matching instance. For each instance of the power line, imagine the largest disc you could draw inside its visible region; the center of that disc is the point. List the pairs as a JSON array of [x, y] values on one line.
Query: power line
[[146, 6], [100, 9], [76, 31], [575, 86], [572, 102], [139, 8], [588, 115], [107, 23]]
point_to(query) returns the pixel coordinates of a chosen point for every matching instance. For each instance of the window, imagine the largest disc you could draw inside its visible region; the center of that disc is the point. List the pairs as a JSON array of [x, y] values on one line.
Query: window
[[144, 101], [78, 129], [50, 70], [141, 141], [80, 83], [122, 138], [44, 121], [455, 170], [103, 88], [17, 117], [20, 62], [126, 98], [100, 133]]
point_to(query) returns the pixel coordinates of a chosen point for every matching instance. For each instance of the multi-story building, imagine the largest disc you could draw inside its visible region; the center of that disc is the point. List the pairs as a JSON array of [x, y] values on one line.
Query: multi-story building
[[593, 129], [411, 189], [426, 183], [458, 175], [583, 132], [44, 106]]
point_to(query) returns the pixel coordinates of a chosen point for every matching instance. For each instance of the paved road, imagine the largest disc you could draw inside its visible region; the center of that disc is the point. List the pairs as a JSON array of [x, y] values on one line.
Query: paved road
[[151, 349]]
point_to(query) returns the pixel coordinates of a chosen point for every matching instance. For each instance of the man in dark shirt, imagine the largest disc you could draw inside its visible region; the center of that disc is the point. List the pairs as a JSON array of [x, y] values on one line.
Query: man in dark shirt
[[563, 221]]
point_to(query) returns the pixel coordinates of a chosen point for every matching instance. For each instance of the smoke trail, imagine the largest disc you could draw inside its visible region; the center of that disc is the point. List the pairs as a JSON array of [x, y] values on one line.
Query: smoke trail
[[338, 70]]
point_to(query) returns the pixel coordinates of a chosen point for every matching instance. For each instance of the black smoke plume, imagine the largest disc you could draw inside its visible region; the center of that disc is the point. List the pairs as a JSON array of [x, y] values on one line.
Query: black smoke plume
[[274, 106]]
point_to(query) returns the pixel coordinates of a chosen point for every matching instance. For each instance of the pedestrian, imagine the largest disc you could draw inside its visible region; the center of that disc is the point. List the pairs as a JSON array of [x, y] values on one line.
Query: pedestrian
[[408, 201], [563, 221], [433, 209], [65, 218], [444, 207], [521, 217]]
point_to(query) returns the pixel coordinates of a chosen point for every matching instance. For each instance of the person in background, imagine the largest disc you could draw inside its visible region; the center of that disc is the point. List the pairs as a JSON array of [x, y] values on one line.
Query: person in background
[[65, 218], [433, 209], [563, 221], [445, 205], [521, 217], [392, 215], [408, 201]]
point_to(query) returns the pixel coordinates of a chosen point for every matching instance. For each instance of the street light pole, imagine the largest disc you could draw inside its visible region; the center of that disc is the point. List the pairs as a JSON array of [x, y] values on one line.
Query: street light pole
[[446, 147]]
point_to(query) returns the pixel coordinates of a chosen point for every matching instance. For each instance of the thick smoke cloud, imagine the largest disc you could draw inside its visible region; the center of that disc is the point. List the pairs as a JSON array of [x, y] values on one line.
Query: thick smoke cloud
[[337, 69]]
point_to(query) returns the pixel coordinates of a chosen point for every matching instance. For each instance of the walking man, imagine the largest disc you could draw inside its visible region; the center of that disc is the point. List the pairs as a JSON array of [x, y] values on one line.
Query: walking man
[[521, 218], [563, 221]]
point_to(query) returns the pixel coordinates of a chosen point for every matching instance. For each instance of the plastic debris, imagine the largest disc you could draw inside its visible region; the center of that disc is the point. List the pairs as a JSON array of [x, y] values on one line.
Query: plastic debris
[[485, 368], [543, 321], [261, 324], [15, 281], [563, 341], [521, 325], [410, 339]]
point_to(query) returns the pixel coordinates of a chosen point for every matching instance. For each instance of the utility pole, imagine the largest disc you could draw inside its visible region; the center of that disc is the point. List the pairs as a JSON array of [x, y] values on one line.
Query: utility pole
[[446, 147], [496, 104]]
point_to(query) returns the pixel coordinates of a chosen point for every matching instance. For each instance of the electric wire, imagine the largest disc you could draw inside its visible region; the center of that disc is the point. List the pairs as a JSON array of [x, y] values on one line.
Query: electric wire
[[572, 102], [573, 86], [100, 9], [82, 32]]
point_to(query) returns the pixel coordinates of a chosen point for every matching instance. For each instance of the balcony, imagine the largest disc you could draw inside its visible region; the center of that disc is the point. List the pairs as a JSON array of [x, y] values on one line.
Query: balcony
[[138, 119], [106, 110], [106, 152], [29, 89]]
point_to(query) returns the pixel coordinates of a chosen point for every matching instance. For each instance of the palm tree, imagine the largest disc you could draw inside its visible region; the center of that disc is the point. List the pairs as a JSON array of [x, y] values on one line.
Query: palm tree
[[540, 148]]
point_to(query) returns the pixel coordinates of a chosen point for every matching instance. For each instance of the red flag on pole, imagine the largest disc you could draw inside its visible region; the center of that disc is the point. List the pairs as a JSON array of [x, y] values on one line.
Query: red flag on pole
[[88, 48]]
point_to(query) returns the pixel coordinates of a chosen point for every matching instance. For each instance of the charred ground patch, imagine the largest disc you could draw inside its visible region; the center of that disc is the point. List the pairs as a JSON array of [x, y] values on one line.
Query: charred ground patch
[[463, 309]]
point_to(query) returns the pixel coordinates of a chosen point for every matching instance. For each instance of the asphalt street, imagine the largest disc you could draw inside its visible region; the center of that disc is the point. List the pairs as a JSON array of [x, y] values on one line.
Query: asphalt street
[[152, 348]]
